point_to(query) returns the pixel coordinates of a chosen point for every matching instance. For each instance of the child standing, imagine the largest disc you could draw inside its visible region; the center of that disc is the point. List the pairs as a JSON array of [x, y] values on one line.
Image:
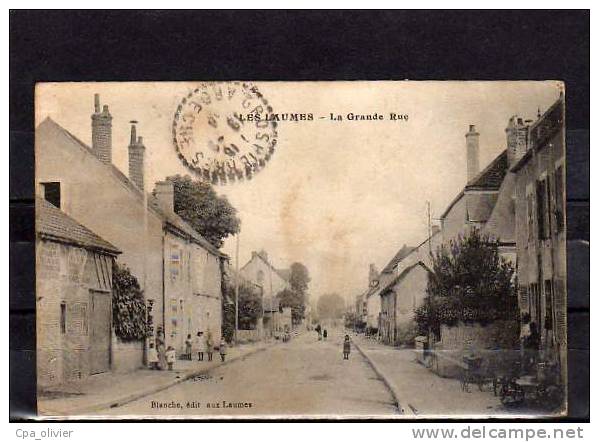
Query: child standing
[[188, 348], [222, 349], [200, 345], [152, 357], [325, 334], [170, 357], [346, 347], [209, 345]]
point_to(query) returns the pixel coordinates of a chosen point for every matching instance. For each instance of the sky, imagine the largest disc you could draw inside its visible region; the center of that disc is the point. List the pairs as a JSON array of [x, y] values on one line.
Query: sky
[[336, 195]]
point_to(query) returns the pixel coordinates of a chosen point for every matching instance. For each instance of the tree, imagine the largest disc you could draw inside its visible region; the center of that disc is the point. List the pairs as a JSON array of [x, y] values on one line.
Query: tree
[[250, 306], [330, 306], [300, 278], [211, 215], [470, 282], [295, 296]]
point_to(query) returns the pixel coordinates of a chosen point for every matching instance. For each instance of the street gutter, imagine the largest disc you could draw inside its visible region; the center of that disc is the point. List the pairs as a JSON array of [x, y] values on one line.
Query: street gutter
[[388, 383]]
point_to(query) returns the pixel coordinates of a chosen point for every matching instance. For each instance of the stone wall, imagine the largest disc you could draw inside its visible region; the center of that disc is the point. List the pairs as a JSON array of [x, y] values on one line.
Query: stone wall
[[483, 340]]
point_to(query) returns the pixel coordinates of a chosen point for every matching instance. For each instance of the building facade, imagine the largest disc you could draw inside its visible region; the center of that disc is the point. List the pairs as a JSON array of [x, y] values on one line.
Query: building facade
[[541, 233], [73, 298], [178, 270]]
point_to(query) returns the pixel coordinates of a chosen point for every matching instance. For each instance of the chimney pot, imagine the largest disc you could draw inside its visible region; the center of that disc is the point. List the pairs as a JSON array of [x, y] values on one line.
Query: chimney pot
[[136, 159], [101, 132], [472, 160]]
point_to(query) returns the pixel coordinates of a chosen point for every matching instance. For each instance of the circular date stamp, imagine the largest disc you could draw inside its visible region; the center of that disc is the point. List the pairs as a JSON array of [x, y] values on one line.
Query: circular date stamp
[[214, 140]]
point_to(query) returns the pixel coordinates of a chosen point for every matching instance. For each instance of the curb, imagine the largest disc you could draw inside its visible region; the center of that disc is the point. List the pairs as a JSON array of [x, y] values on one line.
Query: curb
[[140, 394], [388, 383]]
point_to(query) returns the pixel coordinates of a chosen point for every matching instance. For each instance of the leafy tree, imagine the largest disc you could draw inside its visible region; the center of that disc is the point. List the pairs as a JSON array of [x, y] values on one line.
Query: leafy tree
[[330, 306], [470, 282], [300, 278], [211, 215], [250, 306], [296, 295], [128, 306]]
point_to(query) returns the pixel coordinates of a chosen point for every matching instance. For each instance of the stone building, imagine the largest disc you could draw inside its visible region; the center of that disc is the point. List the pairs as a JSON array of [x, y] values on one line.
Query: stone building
[[155, 242], [192, 276], [541, 232], [260, 271], [73, 298]]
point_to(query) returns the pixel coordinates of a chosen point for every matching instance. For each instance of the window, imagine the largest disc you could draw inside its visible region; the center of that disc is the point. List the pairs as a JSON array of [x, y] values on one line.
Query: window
[[260, 277], [52, 193], [559, 199], [63, 318], [542, 209], [530, 217]]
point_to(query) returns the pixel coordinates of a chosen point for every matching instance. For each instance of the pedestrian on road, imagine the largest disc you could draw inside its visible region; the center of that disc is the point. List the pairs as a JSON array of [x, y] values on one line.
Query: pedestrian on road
[[324, 334], [200, 345], [209, 345], [170, 357], [346, 347], [152, 357], [188, 348], [222, 349]]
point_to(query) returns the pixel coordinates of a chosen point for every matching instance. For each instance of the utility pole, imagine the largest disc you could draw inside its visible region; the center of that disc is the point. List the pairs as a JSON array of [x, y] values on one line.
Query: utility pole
[[236, 286], [428, 226]]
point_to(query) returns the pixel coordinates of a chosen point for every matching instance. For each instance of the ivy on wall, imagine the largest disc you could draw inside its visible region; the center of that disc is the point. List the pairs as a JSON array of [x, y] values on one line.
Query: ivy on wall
[[128, 306]]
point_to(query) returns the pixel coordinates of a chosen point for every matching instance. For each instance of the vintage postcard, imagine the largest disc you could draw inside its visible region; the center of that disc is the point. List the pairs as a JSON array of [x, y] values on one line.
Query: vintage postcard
[[284, 250]]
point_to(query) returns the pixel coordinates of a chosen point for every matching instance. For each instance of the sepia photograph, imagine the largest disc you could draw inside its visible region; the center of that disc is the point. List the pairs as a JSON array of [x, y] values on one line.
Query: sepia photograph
[[301, 250]]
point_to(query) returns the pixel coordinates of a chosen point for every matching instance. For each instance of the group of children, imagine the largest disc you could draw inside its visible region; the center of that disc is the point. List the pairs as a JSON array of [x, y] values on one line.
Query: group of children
[[204, 344]]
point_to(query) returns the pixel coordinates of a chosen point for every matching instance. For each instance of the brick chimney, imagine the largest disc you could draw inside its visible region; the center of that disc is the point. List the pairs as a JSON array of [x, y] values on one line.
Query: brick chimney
[[102, 131], [472, 166], [136, 158], [165, 192], [517, 139]]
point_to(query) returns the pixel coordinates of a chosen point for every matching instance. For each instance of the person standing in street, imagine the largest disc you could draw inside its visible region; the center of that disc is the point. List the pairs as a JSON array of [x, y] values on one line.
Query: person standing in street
[[200, 345], [325, 334], [170, 357], [188, 344], [346, 347], [222, 349], [209, 345]]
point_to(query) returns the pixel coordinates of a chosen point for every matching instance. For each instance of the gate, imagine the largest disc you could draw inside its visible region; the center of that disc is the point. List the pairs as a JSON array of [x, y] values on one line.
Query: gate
[[100, 327]]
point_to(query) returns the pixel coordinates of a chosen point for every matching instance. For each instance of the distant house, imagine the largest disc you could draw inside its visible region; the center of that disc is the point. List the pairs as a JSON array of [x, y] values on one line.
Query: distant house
[[400, 297], [73, 298], [261, 272]]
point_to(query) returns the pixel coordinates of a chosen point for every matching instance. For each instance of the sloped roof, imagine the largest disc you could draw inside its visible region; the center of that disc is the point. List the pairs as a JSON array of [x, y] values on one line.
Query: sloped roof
[[480, 206], [285, 273], [492, 176], [281, 273], [403, 274], [489, 179], [54, 224], [401, 254], [153, 203], [501, 223], [182, 226]]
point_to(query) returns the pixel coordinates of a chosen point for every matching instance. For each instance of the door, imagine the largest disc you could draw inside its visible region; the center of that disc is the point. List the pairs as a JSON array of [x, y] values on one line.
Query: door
[[100, 325]]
